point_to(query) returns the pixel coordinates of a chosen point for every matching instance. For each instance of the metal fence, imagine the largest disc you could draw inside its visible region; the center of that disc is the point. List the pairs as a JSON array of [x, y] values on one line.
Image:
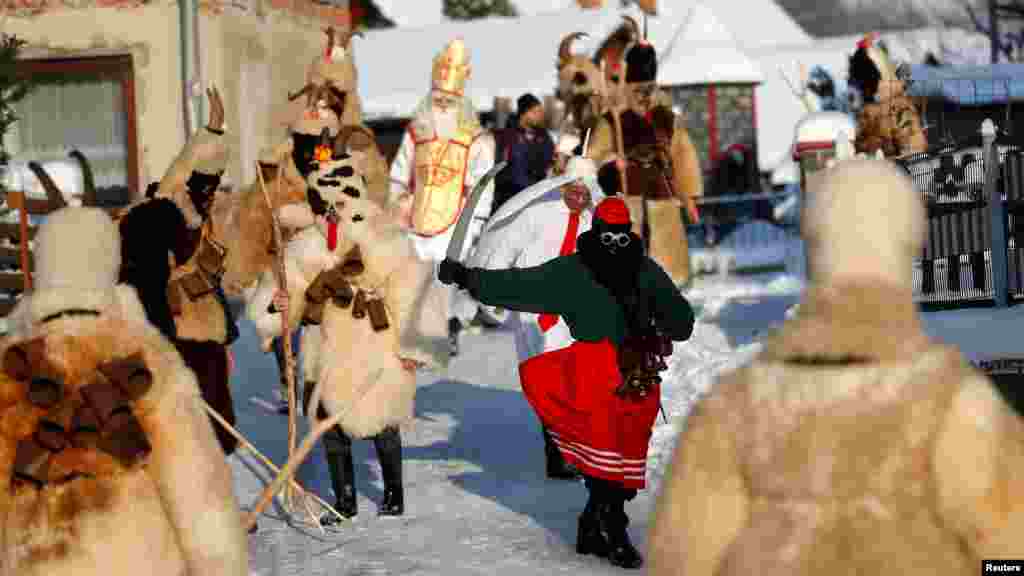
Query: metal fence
[[974, 195]]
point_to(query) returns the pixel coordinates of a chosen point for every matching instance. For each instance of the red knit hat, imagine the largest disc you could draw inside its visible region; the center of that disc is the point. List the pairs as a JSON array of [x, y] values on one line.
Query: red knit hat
[[612, 211]]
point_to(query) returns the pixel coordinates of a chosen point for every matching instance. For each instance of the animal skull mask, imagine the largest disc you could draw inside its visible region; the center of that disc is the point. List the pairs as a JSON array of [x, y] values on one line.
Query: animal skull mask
[[334, 182]]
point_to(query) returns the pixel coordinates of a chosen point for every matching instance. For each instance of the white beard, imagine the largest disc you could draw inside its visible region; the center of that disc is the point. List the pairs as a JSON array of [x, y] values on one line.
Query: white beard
[[445, 123]]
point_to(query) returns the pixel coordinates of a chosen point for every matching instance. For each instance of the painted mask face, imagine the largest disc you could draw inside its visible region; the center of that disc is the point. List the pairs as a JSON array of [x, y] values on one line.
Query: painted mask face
[[333, 184]]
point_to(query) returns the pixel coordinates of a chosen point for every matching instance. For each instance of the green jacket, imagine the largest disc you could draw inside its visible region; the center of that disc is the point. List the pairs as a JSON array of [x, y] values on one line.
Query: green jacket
[[565, 287]]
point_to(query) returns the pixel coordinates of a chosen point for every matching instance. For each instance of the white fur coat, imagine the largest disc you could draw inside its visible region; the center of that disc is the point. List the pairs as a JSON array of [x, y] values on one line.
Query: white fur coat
[[361, 370]]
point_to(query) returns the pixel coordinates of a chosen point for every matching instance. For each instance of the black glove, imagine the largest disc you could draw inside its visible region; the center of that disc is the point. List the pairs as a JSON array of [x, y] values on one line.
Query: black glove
[[452, 272]]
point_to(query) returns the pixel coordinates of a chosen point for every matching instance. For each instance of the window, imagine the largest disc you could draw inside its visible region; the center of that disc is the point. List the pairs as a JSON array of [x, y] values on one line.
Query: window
[[88, 104]]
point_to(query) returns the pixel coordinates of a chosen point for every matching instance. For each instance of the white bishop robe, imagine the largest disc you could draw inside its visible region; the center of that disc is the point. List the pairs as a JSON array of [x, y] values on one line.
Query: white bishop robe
[[530, 237]]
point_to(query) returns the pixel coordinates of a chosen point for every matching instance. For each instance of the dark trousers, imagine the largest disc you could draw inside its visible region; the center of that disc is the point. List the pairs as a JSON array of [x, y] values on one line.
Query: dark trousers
[[338, 448], [279, 356], [209, 361]]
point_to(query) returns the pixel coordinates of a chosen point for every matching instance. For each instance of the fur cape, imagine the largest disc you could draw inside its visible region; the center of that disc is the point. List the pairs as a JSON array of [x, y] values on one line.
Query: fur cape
[[851, 431], [892, 125], [669, 247], [360, 369], [173, 513], [202, 319]]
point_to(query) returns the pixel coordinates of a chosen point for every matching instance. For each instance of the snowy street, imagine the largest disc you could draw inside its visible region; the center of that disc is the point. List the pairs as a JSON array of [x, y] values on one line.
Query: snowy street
[[477, 500]]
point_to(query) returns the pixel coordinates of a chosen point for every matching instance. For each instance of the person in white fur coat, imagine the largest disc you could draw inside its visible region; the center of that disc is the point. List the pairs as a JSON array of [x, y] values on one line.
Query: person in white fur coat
[[367, 329], [529, 230], [444, 152], [111, 465]]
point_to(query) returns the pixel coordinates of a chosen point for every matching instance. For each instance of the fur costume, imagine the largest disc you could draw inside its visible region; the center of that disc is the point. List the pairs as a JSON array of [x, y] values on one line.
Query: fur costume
[[145, 492], [851, 430], [174, 258], [581, 88], [889, 121], [346, 353], [250, 236], [331, 103], [658, 137]]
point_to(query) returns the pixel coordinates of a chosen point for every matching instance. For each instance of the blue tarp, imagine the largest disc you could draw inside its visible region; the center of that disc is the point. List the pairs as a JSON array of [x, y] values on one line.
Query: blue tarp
[[969, 85]]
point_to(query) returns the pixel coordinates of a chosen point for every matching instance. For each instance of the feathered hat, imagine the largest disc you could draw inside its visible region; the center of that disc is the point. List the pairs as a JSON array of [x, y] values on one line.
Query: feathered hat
[[451, 68]]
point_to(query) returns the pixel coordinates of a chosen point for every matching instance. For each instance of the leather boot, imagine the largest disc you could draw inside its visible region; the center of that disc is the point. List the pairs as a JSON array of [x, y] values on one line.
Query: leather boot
[[342, 470], [614, 521], [589, 537], [389, 452], [454, 328], [557, 468]]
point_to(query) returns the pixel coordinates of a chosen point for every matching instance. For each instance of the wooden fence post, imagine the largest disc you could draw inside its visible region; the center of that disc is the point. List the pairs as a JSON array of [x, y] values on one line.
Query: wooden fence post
[[999, 258]]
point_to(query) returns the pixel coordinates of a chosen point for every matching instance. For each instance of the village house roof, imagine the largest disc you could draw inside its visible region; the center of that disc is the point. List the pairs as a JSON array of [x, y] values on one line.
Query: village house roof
[[513, 56]]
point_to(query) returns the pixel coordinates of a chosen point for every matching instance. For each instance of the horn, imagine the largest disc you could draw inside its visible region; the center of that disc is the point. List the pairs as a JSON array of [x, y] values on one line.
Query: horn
[[305, 90], [564, 52], [53, 194], [89, 196]]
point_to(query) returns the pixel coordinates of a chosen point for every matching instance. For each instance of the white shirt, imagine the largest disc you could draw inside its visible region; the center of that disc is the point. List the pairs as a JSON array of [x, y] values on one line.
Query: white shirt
[[531, 238]]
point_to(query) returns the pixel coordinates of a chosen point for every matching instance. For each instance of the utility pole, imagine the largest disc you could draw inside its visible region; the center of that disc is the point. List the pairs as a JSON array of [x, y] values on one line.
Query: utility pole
[[993, 27]]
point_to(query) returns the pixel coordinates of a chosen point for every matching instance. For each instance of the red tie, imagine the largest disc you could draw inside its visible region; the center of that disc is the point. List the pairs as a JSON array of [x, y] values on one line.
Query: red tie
[[546, 321]]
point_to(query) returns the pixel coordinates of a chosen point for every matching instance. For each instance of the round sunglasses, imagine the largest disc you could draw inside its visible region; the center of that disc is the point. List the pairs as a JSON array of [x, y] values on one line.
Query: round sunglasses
[[621, 239]]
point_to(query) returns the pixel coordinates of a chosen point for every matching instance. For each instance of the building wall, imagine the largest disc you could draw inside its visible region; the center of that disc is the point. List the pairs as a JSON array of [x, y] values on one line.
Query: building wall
[[150, 34], [254, 51], [734, 118]]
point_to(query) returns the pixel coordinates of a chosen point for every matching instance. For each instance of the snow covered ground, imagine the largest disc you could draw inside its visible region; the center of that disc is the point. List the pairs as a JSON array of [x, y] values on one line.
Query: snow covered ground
[[477, 501]]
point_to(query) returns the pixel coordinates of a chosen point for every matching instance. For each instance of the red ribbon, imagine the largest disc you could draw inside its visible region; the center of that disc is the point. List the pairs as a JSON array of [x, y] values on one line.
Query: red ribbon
[[546, 321]]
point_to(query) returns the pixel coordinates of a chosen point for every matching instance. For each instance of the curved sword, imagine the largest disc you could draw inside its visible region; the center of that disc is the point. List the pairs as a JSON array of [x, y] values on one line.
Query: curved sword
[[462, 226]]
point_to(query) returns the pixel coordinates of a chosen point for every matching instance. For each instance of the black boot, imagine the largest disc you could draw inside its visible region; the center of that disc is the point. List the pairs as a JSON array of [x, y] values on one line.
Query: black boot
[[614, 521], [454, 327], [389, 452], [589, 537], [557, 468], [342, 469]]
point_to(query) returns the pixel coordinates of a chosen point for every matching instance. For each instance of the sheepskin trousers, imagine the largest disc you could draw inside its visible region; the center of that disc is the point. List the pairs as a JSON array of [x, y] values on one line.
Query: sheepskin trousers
[[209, 361]]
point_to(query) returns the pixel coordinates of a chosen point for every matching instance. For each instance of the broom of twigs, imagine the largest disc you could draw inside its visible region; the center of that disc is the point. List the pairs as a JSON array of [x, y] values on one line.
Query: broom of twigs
[[303, 450], [273, 468], [286, 340]]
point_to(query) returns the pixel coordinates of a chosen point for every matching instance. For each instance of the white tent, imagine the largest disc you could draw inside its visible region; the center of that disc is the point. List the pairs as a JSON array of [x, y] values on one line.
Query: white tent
[[513, 56]]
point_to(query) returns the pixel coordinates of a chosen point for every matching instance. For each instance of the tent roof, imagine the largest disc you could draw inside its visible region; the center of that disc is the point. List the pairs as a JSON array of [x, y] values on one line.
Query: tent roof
[[512, 56]]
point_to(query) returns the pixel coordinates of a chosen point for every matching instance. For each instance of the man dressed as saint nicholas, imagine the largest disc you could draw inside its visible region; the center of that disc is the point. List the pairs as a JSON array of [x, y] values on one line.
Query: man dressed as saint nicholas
[[443, 153]]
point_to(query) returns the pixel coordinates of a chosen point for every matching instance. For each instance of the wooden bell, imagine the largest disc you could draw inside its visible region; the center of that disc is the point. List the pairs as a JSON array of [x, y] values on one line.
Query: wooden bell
[[378, 314]]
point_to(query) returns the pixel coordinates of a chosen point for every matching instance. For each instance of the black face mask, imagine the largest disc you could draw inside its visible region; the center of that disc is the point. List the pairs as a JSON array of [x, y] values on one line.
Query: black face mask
[[611, 251], [201, 188], [303, 149]]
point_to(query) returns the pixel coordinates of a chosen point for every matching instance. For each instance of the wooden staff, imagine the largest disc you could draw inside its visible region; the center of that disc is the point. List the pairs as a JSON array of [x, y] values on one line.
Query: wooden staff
[[268, 463], [286, 333], [307, 445], [617, 120]]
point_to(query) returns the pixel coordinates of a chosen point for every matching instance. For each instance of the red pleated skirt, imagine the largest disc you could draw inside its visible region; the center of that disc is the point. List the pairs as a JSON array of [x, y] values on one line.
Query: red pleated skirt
[[573, 392]]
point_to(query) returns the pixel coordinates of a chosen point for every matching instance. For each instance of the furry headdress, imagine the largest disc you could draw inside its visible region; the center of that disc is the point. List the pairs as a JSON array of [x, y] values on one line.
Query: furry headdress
[[849, 238], [77, 263]]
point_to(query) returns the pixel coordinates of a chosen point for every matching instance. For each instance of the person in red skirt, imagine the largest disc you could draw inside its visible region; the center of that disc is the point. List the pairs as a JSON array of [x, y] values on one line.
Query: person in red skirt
[[599, 396]]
